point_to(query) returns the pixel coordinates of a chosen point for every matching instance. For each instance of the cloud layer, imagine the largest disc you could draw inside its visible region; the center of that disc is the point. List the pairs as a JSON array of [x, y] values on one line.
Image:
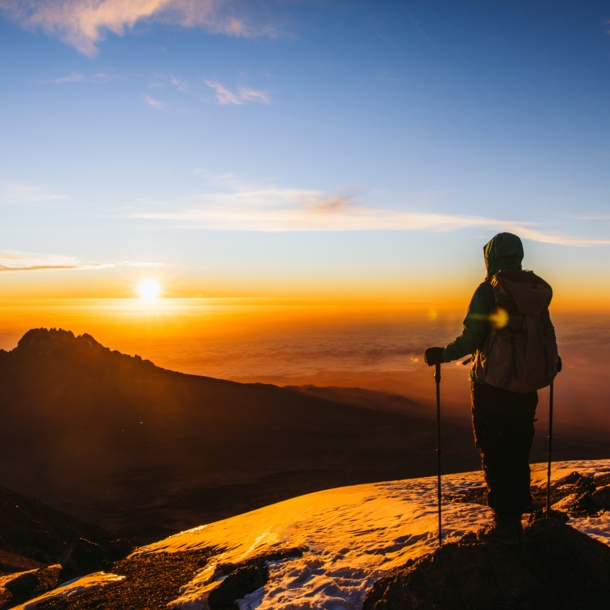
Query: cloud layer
[[14, 261], [84, 23], [284, 209]]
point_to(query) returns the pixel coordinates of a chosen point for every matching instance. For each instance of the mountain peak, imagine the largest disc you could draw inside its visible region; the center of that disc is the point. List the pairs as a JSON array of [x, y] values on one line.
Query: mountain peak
[[47, 341], [62, 348]]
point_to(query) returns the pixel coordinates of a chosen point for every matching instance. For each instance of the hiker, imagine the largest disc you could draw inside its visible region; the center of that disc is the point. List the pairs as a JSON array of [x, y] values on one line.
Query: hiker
[[505, 376]]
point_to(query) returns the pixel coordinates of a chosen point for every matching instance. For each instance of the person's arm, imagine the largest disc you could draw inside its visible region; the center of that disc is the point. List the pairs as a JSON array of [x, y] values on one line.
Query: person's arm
[[476, 325]]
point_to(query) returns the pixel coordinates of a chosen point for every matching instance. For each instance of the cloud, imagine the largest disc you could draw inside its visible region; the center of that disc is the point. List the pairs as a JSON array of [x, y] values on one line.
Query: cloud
[[76, 77], [178, 83], [282, 209], [155, 103], [223, 95], [14, 261], [82, 24], [549, 238], [16, 192], [245, 94], [251, 95]]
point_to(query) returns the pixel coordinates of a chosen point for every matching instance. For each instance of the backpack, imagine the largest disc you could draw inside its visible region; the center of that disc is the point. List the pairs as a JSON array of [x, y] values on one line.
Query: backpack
[[520, 352]]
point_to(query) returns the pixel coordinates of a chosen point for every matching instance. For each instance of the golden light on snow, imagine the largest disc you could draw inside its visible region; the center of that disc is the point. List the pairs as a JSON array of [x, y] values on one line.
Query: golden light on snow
[[148, 289]]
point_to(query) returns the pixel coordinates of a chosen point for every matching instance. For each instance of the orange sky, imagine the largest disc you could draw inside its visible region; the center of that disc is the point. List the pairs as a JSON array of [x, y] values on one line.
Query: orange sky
[[375, 345]]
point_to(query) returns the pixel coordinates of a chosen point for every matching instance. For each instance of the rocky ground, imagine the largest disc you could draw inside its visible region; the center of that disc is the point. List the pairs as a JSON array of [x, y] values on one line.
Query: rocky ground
[[154, 578], [556, 568], [34, 534], [151, 581], [573, 496]]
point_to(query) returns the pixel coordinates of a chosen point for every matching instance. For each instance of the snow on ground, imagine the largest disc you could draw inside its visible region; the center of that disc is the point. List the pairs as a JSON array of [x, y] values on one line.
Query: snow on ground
[[72, 588], [354, 535]]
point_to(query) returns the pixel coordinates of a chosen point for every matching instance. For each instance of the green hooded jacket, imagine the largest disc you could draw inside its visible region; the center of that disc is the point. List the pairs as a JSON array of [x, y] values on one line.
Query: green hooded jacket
[[502, 252]]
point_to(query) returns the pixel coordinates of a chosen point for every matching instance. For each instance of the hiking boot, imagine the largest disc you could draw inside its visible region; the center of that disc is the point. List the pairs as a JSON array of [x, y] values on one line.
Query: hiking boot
[[502, 531]]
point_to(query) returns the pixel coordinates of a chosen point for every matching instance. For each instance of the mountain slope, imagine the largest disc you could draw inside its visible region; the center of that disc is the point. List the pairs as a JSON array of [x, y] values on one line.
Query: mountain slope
[[321, 550], [32, 533], [146, 452]]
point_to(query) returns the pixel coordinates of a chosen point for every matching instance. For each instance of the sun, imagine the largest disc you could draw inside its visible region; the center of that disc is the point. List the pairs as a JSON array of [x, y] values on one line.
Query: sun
[[148, 289]]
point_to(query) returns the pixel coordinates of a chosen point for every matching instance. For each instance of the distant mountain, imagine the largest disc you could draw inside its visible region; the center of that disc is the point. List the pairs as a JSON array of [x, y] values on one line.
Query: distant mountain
[[369, 399], [146, 452]]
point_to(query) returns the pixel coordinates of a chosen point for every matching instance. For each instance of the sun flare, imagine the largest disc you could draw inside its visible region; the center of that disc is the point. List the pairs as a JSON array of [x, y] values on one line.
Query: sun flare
[[148, 289]]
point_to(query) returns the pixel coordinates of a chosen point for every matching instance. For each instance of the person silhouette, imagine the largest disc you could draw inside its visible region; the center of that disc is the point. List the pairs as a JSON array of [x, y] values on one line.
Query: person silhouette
[[502, 419]]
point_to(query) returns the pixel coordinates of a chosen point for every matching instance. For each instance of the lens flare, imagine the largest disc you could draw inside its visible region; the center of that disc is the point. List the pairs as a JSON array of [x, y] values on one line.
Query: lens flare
[[500, 318], [148, 289]]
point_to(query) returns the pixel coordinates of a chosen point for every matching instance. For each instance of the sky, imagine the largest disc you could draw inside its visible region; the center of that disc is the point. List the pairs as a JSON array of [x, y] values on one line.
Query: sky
[[310, 183], [355, 151]]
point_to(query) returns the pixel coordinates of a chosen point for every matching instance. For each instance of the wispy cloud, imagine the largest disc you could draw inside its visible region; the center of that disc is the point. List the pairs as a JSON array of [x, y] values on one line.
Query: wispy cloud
[[13, 260], [527, 232], [17, 192], [73, 77], [597, 217], [76, 77], [84, 23], [277, 209], [252, 95], [178, 83], [225, 96], [153, 103]]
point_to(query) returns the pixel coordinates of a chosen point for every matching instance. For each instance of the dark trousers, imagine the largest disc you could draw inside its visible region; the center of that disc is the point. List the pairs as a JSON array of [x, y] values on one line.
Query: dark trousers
[[503, 426]]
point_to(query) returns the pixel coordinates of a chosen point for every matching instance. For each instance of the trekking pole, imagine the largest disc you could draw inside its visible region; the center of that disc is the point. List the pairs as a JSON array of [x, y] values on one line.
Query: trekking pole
[[437, 378], [548, 472]]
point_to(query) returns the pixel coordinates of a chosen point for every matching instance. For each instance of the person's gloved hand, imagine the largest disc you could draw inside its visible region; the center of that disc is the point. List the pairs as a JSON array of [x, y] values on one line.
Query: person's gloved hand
[[559, 364], [434, 355]]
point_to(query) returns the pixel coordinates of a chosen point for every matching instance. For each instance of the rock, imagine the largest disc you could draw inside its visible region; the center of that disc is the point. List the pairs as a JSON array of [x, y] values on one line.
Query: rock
[[82, 557], [541, 514], [557, 568], [565, 503], [601, 497], [584, 484], [236, 586], [585, 505], [119, 549], [569, 479], [23, 584]]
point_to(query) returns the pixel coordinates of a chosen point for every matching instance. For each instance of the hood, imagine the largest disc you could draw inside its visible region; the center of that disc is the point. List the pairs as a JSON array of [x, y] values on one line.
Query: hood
[[504, 251]]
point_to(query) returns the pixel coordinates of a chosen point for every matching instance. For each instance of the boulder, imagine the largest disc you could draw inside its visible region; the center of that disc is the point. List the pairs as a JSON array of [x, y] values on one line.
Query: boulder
[[119, 549], [237, 585], [556, 568], [569, 478], [82, 557], [601, 497], [24, 583]]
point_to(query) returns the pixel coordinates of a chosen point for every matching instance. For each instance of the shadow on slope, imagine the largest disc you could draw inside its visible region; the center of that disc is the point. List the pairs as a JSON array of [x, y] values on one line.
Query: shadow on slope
[[33, 534], [556, 568]]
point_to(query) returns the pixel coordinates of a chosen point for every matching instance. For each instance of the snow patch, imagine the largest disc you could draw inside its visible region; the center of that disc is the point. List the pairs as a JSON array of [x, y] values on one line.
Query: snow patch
[[353, 536], [72, 588]]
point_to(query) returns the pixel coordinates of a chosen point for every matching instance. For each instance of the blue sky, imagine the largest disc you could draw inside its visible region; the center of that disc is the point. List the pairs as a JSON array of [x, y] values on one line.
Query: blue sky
[[281, 147]]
